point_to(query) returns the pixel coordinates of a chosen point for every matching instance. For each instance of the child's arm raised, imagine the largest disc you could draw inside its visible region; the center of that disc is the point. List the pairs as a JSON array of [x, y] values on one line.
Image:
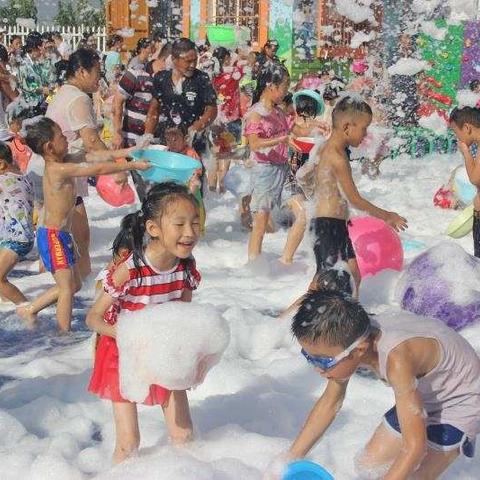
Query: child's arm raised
[[319, 419], [108, 155], [343, 173], [95, 320], [472, 167], [68, 170], [402, 378]]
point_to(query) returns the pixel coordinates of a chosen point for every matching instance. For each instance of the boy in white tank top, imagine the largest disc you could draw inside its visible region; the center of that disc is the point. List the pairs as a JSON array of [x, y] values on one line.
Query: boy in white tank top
[[434, 373]]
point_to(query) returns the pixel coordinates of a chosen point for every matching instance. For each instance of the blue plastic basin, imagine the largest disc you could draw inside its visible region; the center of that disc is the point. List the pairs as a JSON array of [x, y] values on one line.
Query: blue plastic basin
[[167, 166], [306, 470]]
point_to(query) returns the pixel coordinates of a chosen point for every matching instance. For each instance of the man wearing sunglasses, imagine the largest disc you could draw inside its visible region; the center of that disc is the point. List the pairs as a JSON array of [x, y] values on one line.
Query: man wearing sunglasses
[[434, 373]]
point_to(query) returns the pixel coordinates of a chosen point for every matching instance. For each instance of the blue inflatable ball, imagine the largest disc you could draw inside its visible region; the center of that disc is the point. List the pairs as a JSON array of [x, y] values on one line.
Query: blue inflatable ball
[[306, 470], [444, 283]]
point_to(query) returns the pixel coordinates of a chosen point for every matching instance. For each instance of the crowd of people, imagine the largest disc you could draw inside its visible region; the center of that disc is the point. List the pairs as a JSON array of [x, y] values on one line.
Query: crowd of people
[[68, 116]]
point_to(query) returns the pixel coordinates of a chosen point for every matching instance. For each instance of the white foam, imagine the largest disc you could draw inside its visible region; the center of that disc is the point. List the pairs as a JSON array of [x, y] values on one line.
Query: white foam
[[174, 345]]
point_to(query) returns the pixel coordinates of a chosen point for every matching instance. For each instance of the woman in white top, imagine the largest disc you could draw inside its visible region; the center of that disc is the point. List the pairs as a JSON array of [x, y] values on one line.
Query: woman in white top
[[72, 108]]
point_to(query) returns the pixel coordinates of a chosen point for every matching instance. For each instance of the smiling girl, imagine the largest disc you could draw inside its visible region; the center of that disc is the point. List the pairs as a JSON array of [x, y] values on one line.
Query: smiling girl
[[159, 272]]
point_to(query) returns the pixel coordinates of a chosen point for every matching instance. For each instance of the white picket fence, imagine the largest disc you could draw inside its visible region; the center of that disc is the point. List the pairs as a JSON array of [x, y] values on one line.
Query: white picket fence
[[72, 35]]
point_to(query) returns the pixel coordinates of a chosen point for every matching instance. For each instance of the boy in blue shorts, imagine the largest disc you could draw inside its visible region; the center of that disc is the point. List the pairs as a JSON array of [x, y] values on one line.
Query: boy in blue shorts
[[433, 371], [54, 240]]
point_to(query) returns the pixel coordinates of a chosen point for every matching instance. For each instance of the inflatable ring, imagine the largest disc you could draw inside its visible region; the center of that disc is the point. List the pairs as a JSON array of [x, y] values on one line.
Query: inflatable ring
[[312, 94]]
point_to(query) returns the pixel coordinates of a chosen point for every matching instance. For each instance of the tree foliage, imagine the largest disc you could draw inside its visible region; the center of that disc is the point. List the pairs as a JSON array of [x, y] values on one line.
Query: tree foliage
[[79, 12], [18, 9]]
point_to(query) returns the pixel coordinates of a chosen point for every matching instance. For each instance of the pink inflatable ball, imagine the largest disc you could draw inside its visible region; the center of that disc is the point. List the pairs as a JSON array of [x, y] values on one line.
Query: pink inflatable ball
[[113, 193], [377, 246]]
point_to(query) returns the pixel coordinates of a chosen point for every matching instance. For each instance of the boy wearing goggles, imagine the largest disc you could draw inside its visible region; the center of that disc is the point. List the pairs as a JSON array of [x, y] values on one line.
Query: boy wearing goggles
[[434, 373]]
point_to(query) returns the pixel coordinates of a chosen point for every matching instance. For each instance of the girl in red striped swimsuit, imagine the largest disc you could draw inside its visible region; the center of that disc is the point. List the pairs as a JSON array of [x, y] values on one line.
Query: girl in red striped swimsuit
[[162, 271]]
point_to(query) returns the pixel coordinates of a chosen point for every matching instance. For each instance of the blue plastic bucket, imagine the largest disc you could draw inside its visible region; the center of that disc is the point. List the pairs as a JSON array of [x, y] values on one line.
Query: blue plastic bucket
[[306, 470], [167, 166]]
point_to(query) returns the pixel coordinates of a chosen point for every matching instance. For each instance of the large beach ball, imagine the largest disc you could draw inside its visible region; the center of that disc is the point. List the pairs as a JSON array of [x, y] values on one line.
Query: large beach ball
[[376, 244]]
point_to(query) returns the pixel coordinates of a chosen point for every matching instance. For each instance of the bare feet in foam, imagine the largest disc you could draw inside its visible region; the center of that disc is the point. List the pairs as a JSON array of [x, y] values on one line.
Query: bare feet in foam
[[25, 312]]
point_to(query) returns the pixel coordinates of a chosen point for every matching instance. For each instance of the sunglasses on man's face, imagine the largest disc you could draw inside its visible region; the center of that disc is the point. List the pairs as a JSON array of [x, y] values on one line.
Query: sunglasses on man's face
[[327, 363]]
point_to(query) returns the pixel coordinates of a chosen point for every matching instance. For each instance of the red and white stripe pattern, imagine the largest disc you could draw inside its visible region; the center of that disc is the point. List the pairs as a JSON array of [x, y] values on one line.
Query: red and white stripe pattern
[[149, 286]]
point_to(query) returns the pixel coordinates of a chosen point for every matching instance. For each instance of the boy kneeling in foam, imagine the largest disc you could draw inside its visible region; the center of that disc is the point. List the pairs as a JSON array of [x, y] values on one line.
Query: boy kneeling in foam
[[434, 373]]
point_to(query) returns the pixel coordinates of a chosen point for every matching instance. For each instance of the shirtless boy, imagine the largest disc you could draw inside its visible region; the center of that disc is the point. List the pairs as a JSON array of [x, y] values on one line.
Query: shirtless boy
[[54, 239], [334, 188], [465, 122]]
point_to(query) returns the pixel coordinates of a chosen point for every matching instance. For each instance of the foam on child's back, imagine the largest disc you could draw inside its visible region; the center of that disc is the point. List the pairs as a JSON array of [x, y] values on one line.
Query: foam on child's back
[[173, 345]]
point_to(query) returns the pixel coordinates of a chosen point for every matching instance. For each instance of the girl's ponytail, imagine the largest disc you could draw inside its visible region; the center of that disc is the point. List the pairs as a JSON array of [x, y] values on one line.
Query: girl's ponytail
[[138, 236]]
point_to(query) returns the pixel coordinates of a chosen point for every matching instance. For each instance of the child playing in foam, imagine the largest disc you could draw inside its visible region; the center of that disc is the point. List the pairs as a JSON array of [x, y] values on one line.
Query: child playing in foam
[[160, 272], [308, 107], [176, 140], [434, 373], [465, 122], [54, 239], [16, 223], [267, 130], [334, 190]]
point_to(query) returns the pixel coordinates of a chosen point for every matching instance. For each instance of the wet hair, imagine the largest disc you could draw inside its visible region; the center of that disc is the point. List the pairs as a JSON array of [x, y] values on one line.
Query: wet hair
[[334, 279], [271, 74], [474, 84], [269, 44], [165, 51], [15, 37], [306, 106], [113, 40], [221, 53], [155, 206], [461, 116], [47, 36], [177, 130], [142, 43], [82, 58], [6, 153], [350, 105], [40, 133], [331, 317], [61, 71], [288, 99], [3, 54], [182, 46], [124, 238], [333, 89], [32, 43]]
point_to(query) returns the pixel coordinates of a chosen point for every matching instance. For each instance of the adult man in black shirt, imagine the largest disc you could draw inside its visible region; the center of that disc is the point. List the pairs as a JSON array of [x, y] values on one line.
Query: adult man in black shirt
[[182, 97]]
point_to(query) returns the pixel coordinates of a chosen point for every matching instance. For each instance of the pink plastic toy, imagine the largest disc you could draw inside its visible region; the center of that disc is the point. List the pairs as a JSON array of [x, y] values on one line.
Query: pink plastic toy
[[377, 245], [114, 194], [359, 66]]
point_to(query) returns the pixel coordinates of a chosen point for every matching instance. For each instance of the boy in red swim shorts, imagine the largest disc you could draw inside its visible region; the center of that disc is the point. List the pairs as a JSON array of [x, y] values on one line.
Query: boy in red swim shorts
[[54, 240]]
